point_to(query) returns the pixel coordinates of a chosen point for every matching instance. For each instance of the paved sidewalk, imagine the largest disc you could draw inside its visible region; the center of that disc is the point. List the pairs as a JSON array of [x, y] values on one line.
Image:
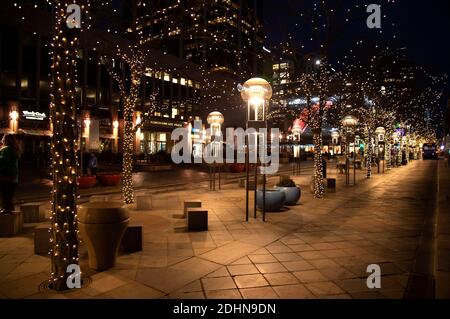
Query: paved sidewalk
[[317, 249]]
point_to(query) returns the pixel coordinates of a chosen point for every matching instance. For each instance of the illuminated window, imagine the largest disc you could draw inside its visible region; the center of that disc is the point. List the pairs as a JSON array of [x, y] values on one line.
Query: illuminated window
[[166, 77]]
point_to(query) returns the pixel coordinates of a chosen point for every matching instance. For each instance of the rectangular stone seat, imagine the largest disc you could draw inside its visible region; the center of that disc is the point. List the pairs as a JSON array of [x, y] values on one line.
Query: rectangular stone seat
[[197, 219], [11, 224], [32, 213], [42, 240], [132, 239], [331, 185], [190, 204], [143, 202], [98, 198]]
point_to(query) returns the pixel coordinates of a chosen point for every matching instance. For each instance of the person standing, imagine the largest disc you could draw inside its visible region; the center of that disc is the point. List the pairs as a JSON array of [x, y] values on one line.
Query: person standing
[[9, 171], [92, 164]]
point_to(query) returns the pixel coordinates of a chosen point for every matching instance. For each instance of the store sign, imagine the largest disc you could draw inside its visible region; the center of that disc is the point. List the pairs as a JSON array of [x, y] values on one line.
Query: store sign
[[32, 115]]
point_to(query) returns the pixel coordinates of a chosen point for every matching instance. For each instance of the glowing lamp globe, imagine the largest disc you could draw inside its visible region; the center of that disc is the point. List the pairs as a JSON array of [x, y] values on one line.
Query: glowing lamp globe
[[349, 121], [256, 92], [296, 126], [380, 132], [215, 118], [335, 137]]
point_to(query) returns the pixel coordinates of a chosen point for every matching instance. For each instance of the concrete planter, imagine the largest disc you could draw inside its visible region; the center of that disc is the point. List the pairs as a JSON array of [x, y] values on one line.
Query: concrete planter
[[275, 199], [102, 226], [292, 194], [86, 182], [237, 168], [109, 179]]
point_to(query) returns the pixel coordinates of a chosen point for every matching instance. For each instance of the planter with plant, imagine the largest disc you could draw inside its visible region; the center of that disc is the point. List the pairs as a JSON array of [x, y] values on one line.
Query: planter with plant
[[291, 190]]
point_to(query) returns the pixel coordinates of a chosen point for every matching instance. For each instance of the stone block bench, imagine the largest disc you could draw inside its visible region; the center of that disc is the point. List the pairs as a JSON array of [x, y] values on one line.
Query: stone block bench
[[132, 239], [143, 202], [11, 224], [32, 213], [197, 219], [98, 198], [42, 240], [190, 204], [331, 185]]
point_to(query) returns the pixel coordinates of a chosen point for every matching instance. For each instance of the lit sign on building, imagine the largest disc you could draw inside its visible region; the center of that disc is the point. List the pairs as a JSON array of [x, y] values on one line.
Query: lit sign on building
[[32, 115]]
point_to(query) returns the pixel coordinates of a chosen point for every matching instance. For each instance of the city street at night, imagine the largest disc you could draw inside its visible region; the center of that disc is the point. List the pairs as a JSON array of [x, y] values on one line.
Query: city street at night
[[224, 158], [312, 250]]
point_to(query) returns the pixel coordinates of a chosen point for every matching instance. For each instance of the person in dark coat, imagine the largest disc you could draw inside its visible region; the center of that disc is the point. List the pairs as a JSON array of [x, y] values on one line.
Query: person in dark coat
[[9, 171]]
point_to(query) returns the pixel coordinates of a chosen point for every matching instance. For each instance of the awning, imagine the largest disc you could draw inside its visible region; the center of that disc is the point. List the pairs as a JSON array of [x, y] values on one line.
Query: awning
[[35, 132]]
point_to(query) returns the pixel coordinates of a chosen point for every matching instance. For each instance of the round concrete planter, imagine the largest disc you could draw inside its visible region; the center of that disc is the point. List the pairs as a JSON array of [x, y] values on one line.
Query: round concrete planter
[[275, 199], [292, 194], [102, 225]]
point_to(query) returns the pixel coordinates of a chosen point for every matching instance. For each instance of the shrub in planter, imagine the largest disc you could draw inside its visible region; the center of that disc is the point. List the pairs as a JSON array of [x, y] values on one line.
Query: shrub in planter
[[237, 168], [86, 181], [109, 179], [291, 191]]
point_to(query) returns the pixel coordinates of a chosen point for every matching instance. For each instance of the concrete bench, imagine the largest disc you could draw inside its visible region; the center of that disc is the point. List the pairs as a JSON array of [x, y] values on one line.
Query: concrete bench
[[243, 183], [32, 213], [132, 239], [11, 224], [42, 240], [190, 204], [98, 198], [197, 219], [331, 185], [143, 202]]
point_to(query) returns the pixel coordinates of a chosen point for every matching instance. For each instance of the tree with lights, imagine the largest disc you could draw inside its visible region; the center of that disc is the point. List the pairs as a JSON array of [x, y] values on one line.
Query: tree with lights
[[63, 111], [129, 92]]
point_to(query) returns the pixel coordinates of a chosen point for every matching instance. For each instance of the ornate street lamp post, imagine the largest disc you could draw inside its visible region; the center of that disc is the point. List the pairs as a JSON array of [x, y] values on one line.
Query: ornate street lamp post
[[380, 133], [349, 124], [396, 141], [215, 121], [256, 92], [296, 136]]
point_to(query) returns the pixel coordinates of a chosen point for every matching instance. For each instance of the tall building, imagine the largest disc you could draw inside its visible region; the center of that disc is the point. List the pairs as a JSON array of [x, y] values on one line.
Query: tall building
[[25, 41], [221, 35]]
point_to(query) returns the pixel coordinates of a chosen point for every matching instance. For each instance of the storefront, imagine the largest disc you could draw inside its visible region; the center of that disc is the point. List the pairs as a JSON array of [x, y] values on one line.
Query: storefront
[[155, 135]]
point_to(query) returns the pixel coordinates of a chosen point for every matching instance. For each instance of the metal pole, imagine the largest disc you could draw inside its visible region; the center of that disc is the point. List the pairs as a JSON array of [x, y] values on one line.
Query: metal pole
[[256, 177], [264, 197], [354, 161], [220, 169], [247, 169]]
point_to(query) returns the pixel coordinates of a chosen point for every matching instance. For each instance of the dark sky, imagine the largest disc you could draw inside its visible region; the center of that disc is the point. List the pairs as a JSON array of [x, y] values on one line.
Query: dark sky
[[421, 26]]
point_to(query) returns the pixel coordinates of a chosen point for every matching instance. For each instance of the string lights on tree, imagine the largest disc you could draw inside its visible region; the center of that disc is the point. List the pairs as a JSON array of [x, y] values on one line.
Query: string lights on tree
[[64, 144]]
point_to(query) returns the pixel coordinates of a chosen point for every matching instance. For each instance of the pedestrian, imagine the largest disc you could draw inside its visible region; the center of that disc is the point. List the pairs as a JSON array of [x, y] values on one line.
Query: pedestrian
[[9, 171], [92, 164]]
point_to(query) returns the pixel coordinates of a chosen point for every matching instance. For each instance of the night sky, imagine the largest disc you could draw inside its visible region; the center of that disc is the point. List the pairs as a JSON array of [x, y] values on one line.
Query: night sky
[[421, 26]]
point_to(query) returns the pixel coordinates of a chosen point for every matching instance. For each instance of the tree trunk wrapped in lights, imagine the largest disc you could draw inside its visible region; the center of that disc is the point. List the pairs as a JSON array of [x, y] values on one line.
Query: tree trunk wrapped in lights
[[129, 92], [369, 152], [63, 111], [318, 166]]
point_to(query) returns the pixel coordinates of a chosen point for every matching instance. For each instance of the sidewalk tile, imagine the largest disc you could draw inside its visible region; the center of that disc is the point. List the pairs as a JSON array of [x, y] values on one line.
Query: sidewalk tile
[[259, 293], [250, 281], [293, 292]]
